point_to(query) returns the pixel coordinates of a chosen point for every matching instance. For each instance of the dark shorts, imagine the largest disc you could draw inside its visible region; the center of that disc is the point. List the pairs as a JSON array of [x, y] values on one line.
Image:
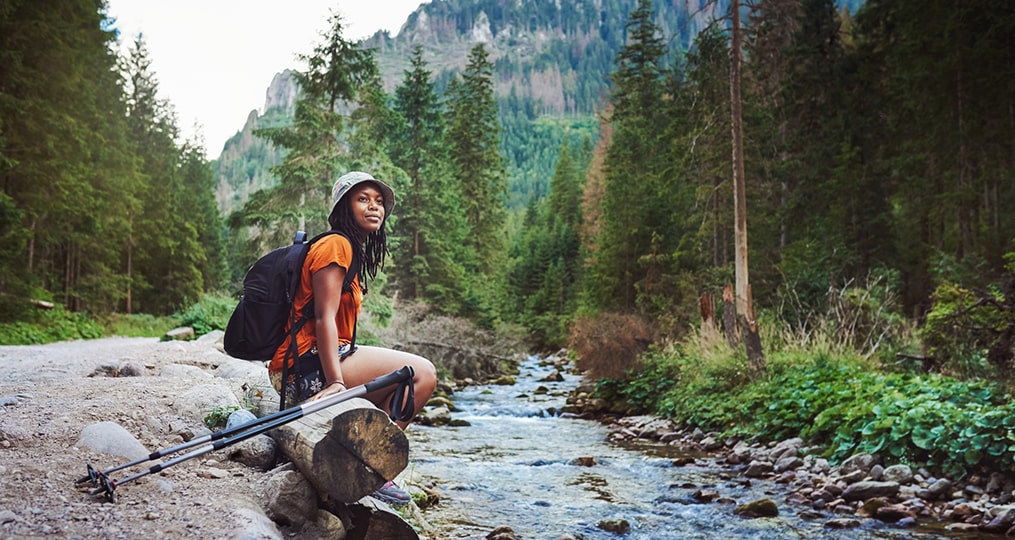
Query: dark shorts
[[306, 377]]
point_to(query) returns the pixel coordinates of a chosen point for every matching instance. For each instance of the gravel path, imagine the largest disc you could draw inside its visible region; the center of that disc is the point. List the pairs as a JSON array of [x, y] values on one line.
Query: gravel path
[[50, 393]]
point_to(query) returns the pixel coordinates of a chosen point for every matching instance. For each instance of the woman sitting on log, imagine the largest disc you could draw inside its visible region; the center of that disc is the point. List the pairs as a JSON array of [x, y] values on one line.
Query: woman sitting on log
[[329, 361]]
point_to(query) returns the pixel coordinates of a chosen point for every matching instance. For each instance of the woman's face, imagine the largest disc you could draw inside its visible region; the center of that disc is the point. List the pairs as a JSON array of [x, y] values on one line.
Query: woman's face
[[367, 205]]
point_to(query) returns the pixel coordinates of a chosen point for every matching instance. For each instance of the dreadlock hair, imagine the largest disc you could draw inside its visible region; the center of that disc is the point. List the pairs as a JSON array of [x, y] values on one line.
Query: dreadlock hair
[[372, 248]]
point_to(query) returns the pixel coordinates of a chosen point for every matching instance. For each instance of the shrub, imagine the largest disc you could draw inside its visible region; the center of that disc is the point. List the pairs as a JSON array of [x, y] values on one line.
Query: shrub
[[49, 325], [210, 313], [607, 345]]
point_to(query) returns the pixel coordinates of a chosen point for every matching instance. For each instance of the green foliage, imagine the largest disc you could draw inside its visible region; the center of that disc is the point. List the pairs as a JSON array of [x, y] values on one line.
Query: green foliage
[[46, 326], [474, 146], [137, 324], [839, 404], [218, 416], [972, 334], [210, 313]]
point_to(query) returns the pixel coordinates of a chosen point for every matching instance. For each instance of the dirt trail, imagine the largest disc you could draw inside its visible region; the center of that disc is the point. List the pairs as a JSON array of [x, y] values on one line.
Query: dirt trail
[[49, 393]]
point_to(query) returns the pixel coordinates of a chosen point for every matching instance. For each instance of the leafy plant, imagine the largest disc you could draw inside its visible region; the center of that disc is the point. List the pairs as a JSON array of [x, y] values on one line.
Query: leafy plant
[[210, 313], [219, 415]]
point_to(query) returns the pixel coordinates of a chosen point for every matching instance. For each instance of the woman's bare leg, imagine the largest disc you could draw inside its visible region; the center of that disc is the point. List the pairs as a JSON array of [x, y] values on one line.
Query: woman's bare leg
[[368, 363]]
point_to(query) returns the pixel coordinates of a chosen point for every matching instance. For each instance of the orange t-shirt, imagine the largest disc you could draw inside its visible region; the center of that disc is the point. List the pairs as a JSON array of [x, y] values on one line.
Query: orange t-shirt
[[332, 249]]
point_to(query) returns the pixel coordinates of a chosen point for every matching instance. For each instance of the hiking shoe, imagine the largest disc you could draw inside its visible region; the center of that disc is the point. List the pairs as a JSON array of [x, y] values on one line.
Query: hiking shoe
[[392, 494]]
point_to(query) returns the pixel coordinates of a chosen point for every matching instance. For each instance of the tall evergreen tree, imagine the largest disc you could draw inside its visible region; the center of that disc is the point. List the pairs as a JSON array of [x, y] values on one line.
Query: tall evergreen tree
[[545, 268], [634, 209], [167, 256], [317, 143], [431, 222], [474, 146], [65, 166]]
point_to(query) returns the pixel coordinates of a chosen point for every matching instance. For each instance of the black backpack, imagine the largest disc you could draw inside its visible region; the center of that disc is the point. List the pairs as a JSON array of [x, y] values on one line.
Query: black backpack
[[257, 327]]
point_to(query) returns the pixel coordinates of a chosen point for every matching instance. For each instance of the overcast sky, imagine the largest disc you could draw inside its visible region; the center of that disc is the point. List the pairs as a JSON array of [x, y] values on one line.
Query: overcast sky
[[214, 59]]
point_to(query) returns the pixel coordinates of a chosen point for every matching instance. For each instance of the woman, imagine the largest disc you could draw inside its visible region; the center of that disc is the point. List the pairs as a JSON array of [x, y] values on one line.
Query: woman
[[360, 206]]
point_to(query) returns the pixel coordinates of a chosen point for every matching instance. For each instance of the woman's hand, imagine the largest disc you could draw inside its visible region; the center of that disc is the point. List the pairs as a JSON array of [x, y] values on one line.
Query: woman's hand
[[329, 390]]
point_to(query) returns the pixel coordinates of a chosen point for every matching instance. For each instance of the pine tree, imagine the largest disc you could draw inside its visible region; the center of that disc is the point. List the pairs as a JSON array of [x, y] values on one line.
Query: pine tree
[[317, 144], [632, 207], [65, 165], [431, 222], [474, 146]]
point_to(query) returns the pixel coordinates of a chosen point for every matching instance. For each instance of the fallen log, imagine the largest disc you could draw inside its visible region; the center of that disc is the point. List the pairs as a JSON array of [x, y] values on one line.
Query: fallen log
[[347, 451]]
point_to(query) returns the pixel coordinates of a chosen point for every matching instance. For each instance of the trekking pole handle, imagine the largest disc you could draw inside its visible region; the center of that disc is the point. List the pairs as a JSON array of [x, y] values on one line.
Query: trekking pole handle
[[404, 374]]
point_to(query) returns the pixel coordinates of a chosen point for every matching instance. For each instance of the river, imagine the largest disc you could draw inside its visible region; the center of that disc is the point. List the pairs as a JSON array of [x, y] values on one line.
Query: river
[[514, 466]]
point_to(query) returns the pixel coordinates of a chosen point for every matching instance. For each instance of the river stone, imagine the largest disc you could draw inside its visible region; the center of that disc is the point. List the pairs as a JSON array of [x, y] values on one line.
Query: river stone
[[901, 473], [893, 513], [616, 526], [937, 489], [787, 448], [859, 462], [757, 469], [870, 489], [842, 523], [758, 508], [111, 438], [788, 463]]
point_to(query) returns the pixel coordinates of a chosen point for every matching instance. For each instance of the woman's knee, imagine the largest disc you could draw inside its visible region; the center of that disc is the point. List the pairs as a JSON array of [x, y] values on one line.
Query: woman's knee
[[426, 373]]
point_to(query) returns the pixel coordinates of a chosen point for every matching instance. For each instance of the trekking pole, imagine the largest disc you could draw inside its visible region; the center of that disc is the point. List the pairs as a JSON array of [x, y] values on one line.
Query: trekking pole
[[223, 438]]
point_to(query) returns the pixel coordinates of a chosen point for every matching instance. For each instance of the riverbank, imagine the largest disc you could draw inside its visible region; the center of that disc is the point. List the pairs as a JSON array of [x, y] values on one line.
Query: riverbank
[[861, 488]]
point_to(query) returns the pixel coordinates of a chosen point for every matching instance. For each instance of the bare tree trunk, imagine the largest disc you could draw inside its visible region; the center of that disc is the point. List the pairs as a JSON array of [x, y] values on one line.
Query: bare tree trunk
[[744, 303]]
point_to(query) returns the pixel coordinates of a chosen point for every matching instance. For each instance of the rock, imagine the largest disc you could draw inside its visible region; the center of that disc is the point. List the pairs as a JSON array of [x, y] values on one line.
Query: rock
[[788, 463], [213, 473], [258, 452], [937, 489], [287, 497], [616, 526], [197, 402], [710, 444], [787, 448], [184, 372], [870, 489], [253, 524], [213, 338], [903, 474], [239, 417], [437, 416], [892, 513], [1001, 519], [554, 376], [842, 523], [182, 333], [820, 466], [859, 462], [111, 438], [584, 461], [756, 509], [758, 469], [502, 533], [441, 401]]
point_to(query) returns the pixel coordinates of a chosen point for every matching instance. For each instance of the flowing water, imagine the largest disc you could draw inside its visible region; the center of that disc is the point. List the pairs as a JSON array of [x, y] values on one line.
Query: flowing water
[[514, 466]]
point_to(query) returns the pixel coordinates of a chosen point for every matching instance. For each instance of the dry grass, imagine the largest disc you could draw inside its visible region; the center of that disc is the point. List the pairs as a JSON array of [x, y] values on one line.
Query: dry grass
[[608, 344]]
